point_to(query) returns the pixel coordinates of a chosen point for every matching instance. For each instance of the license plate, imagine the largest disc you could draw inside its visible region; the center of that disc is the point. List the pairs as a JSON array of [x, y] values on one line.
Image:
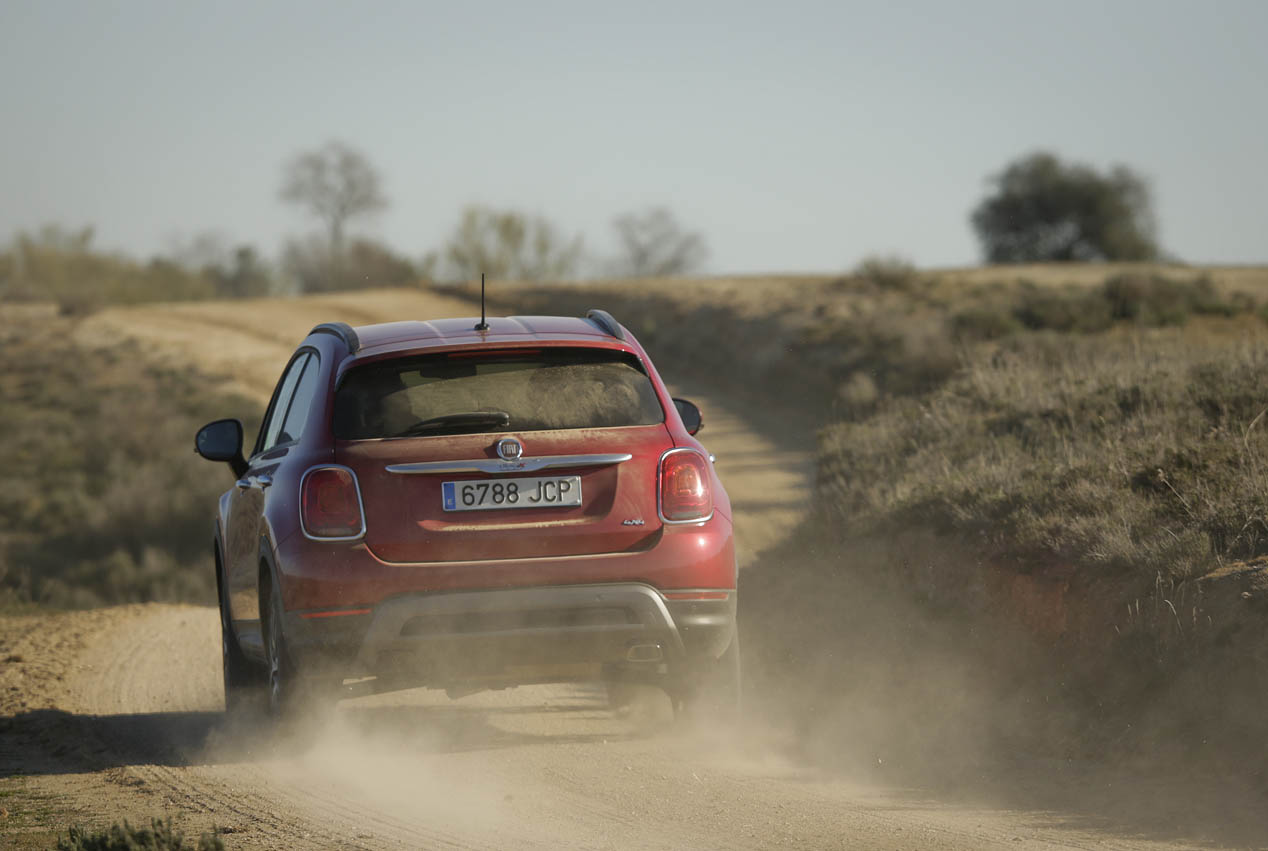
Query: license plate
[[487, 494]]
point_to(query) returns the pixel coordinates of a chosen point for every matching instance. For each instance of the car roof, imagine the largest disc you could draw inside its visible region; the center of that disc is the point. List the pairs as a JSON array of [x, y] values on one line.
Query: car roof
[[437, 333]]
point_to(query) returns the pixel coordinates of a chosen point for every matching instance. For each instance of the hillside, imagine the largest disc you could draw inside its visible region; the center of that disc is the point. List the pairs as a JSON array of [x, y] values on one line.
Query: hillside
[[964, 580], [1056, 472]]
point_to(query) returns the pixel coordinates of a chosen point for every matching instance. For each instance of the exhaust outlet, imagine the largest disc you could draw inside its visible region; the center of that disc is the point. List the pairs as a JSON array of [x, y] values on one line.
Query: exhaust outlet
[[644, 653]]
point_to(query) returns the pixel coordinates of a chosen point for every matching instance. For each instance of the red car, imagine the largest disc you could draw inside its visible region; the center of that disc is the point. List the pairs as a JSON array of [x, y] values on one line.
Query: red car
[[462, 505]]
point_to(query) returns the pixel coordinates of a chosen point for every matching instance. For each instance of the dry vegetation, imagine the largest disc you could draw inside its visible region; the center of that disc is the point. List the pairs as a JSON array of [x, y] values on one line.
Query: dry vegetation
[[1056, 481], [59, 265], [1136, 451], [1043, 511], [1112, 425], [159, 836], [102, 499]]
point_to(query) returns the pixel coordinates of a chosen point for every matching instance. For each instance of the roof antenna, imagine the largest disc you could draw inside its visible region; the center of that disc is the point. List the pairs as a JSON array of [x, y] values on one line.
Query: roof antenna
[[483, 326]]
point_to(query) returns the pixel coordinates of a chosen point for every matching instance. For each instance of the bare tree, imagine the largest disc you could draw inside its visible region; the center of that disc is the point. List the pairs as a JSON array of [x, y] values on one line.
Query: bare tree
[[509, 244], [654, 243], [335, 183]]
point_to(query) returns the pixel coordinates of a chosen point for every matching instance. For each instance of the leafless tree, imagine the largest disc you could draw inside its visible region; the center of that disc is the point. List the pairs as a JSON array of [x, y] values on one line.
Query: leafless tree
[[335, 183], [509, 244], [654, 243]]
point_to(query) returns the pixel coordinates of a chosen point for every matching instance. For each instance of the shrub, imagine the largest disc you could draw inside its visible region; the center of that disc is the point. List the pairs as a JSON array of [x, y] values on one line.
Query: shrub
[[1134, 454], [101, 496], [54, 264], [1157, 300], [159, 836], [1144, 299], [984, 323], [316, 266], [889, 272], [244, 276], [1063, 310]]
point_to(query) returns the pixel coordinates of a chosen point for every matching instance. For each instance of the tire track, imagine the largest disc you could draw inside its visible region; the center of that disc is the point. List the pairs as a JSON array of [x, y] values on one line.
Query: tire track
[[197, 766]]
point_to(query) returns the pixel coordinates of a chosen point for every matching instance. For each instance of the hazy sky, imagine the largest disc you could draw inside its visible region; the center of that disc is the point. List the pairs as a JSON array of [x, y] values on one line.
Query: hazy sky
[[795, 136]]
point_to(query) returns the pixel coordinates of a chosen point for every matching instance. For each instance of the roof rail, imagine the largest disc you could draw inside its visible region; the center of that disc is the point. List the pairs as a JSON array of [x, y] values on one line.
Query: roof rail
[[606, 323], [343, 331]]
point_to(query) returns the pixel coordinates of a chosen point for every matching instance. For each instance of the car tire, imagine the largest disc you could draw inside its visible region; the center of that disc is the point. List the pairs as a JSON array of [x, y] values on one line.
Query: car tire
[[289, 694], [282, 684], [713, 688], [620, 695], [242, 678]]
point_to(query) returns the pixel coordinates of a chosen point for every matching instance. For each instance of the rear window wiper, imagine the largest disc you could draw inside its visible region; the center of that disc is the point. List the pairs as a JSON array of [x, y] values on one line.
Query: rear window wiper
[[458, 421]]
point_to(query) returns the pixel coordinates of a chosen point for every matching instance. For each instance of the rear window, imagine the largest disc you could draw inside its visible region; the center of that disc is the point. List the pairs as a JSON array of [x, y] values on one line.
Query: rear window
[[550, 389]]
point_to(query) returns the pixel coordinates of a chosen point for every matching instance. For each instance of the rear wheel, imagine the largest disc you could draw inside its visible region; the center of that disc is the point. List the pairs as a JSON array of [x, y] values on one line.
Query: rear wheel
[[288, 693], [710, 688], [621, 696], [242, 679], [283, 684]]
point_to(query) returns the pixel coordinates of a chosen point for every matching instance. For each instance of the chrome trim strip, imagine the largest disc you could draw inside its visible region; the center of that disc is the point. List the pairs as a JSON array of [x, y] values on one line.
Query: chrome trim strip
[[660, 491], [665, 592], [360, 504], [498, 466]]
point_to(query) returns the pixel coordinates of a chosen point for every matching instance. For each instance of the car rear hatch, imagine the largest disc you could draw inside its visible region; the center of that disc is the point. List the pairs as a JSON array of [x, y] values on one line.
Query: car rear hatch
[[495, 491]]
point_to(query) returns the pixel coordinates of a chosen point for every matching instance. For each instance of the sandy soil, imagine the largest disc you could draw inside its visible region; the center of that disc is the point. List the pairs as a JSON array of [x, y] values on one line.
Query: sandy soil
[[117, 713], [119, 716]]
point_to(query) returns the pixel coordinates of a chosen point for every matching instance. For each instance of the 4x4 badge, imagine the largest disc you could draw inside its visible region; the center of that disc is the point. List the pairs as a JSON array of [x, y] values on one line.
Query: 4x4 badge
[[510, 449], [638, 521]]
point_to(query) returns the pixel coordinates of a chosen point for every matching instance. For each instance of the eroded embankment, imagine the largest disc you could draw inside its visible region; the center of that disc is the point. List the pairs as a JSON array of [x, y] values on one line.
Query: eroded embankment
[[1064, 522]]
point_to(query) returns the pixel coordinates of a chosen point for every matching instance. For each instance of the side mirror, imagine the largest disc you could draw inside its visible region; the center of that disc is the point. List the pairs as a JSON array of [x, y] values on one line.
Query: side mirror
[[222, 441], [690, 414]]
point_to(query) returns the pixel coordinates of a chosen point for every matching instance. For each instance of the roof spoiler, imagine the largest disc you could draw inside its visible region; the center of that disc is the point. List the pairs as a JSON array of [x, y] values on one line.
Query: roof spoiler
[[343, 331], [605, 323]]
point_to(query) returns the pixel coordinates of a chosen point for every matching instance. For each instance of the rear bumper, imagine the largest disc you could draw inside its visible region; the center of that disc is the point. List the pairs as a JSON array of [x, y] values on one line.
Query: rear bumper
[[514, 636], [331, 574]]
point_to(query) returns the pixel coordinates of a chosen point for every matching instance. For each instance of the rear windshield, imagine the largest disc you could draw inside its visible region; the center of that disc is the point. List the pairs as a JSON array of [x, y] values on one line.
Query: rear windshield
[[459, 393]]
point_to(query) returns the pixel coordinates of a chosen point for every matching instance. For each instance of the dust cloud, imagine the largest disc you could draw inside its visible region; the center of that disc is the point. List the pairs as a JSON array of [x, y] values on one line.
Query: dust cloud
[[862, 675], [886, 662]]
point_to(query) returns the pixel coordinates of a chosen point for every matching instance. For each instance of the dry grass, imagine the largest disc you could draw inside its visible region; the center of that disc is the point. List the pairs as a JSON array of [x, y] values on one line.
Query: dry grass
[[1007, 465], [1136, 451], [159, 836], [102, 499]]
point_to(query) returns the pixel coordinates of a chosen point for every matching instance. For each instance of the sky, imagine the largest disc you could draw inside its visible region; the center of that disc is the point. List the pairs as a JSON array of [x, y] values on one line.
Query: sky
[[796, 137]]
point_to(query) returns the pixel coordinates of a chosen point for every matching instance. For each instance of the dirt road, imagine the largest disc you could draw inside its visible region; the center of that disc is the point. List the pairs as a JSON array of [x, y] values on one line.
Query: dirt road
[[116, 713]]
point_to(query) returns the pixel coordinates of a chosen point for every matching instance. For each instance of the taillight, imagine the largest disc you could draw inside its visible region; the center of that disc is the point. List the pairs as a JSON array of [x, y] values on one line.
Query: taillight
[[330, 504], [685, 494]]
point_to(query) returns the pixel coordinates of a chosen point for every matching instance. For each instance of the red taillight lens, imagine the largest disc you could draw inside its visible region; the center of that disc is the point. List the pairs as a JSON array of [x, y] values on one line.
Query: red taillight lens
[[684, 486], [329, 505]]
